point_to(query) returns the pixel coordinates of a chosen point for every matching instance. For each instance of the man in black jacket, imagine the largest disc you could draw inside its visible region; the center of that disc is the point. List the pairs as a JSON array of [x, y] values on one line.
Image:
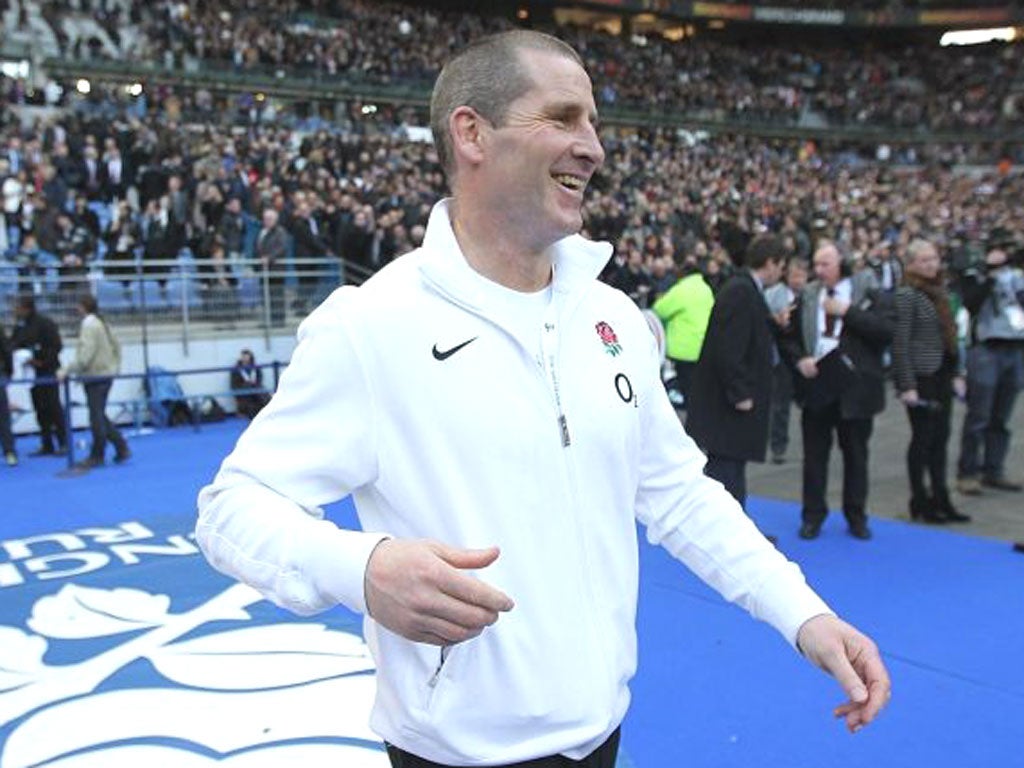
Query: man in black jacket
[[40, 335], [731, 392], [845, 315], [310, 251]]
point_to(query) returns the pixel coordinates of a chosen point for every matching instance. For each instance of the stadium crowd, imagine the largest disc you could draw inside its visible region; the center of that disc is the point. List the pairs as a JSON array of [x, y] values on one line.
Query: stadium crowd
[[88, 186], [912, 86]]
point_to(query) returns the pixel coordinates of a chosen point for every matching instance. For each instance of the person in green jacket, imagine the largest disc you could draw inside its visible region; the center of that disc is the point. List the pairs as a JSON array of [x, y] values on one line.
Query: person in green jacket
[[684, 310]]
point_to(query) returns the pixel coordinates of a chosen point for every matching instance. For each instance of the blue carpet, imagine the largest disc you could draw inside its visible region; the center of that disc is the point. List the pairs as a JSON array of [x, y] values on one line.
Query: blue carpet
[[120, 647]]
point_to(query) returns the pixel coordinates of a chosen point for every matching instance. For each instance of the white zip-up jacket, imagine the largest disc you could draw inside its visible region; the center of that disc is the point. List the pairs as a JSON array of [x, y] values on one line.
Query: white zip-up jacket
[[550, 459]]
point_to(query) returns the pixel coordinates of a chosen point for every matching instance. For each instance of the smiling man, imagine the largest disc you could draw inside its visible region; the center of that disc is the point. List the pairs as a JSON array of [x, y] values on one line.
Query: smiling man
[[498, 416]]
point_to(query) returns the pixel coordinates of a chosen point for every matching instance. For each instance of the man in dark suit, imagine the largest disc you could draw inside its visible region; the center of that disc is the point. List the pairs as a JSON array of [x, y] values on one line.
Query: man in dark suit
[[731, 391], [848, 316], [310, 250], [271, 250]]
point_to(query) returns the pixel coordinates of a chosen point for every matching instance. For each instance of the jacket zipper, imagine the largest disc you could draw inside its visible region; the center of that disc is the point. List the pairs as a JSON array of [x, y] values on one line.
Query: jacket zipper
[[432, 682], [548, 345]]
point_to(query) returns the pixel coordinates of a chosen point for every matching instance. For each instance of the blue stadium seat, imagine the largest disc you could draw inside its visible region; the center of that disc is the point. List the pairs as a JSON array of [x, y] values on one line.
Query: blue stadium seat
[[113, 297], [183, 290], [152, 297], [250, 292]]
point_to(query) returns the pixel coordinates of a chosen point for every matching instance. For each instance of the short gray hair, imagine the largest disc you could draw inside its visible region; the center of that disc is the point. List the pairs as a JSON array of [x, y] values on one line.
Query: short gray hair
[[486, 76]]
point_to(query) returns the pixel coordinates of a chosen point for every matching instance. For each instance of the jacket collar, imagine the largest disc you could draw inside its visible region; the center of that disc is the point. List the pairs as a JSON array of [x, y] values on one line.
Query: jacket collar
[[576, 262]]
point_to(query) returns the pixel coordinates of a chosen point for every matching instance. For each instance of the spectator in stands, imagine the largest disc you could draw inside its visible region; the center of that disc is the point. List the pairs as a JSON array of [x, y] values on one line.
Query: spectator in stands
[[97, 361], [6, 371], [843, 315], [502, 282], [40, 335], [310, 251], [74, 250], [161, 238], [247, 385], [994, 295], [123, 238], [231, 231], [271, 249], [357, 239], [84, 216], [926, 374], [684, 311]]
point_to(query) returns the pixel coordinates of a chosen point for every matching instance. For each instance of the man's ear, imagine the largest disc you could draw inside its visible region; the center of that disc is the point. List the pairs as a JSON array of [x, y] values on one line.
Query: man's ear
[[466, 128]]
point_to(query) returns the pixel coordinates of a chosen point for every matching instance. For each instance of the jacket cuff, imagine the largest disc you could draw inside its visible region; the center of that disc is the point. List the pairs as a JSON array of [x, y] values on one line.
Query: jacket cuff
[[337, 565], [787, 606]]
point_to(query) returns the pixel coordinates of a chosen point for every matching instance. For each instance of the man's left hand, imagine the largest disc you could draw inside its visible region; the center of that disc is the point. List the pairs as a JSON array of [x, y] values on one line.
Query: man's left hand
[[853, 660]]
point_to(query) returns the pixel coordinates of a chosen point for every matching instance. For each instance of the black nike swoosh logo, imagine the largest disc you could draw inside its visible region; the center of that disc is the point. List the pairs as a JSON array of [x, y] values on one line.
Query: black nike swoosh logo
[[439, 355]]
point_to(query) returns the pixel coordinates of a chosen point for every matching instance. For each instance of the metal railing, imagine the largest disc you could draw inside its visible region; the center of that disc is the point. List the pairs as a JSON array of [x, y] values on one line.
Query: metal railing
[[181, 299], [143, 407]]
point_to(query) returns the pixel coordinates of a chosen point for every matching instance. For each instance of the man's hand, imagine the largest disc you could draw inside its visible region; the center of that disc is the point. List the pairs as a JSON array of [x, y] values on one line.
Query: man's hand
[[808, 367], [416, 588], [835, 307], [960, 387], [853, 660], [909, 398], [745, 405]]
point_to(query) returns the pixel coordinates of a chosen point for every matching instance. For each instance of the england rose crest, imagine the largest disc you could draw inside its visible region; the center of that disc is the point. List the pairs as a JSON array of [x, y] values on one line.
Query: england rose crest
[[608, 338]]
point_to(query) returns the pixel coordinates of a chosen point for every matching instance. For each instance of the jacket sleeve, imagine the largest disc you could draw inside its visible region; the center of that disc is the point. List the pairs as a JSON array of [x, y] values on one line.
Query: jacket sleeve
[[87, 347], [975, 288], [701, 525], [903, 369], [730, 354], [873, 319], [260, 520], [669, 304]]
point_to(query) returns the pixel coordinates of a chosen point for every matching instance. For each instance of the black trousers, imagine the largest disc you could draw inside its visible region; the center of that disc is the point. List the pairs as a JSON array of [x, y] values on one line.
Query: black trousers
[[782, 397], [684, 379], [50, 415], [6, 435], [102, 428], [732, 473], [818, 426], [929, 436], [602, 757]]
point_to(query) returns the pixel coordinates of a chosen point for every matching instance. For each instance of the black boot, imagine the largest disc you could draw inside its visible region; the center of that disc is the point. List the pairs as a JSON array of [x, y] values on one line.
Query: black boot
[[945, 507], [922, 508]]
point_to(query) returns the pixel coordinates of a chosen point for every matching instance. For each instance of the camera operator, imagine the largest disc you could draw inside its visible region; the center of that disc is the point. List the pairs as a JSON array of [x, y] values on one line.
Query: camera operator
[[993, 292]]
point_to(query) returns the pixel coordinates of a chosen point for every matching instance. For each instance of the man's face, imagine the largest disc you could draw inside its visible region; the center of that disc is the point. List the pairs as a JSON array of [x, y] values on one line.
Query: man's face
[[539, 161], [796, 277], [774, 271], [826, 265]]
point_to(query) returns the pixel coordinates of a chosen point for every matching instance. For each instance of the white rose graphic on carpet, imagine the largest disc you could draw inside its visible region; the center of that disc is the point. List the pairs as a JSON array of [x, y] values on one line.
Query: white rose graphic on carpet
[[263, 695]]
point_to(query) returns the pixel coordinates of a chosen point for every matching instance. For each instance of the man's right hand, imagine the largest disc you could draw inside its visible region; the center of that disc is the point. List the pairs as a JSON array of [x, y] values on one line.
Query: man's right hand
[[808, 367], [416, 589]]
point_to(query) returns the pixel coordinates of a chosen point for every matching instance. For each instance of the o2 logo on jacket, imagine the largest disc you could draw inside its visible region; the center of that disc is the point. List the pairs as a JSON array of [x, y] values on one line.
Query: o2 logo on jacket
[[116, 678], [624, 388]]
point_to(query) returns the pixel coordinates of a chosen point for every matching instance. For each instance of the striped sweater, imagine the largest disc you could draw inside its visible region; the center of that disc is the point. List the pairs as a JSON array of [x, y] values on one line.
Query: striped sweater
[[917, 345]]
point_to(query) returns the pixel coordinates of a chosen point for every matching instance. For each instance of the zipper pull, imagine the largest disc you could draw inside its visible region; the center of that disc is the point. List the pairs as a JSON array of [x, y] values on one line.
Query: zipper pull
[[563, 425], [432, 682]]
